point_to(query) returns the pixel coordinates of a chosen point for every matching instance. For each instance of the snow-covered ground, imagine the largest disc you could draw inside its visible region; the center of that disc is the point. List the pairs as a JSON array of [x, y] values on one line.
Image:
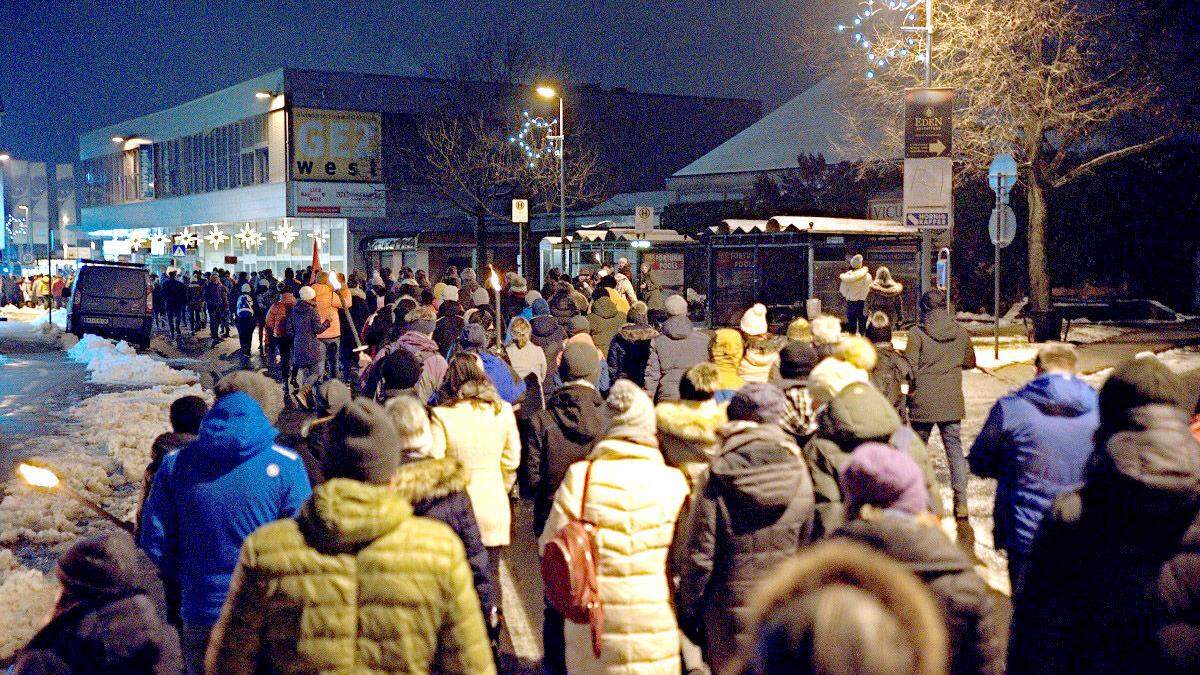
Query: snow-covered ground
[[119, 363]]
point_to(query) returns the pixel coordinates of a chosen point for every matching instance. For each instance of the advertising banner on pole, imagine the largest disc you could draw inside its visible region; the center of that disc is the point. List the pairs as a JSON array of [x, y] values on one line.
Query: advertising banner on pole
[[338, 145], [928, 123]]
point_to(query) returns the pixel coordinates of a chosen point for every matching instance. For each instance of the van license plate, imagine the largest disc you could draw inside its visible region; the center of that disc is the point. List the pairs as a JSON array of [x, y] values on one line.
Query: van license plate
[[101, 320]]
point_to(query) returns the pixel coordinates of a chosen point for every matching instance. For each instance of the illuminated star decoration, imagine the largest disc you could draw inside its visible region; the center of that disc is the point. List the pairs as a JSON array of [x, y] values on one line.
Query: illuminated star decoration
[[878, 57], [216, 237], [320, 236], [16, 226], [249, 237], [187, 237], [534, 138], [136, 240], [160, 239], [285, 234]]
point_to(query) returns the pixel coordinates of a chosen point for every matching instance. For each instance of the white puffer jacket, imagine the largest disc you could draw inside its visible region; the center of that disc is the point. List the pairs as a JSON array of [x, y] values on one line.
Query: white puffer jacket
[[856, 284], [634, 500]]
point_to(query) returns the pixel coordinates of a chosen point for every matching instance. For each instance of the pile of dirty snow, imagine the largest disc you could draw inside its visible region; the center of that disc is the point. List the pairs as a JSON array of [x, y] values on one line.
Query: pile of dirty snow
[[119, 364], [125, 424], [26, 601]]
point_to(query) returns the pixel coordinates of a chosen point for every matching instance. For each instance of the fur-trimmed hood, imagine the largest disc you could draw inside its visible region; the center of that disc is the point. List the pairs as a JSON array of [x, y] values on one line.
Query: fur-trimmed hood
[[637, 332], [425, 479], [850, 563], [691, 422]]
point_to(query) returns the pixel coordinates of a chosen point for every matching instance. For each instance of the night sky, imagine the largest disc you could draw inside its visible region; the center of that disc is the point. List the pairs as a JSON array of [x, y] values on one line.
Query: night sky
[[69, 66]]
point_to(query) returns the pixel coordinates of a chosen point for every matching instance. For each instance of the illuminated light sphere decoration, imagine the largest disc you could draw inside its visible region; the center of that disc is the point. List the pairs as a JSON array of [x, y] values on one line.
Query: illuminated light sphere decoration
[[873, 10], [534, 139], [216, 237], [16, 226], [319, 236], [249, 237], [285, 234], [187, 238]]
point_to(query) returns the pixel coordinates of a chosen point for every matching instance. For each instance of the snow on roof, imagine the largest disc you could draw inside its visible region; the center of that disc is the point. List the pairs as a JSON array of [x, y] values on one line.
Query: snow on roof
[[743, 225], [836, 225], [804, 125]]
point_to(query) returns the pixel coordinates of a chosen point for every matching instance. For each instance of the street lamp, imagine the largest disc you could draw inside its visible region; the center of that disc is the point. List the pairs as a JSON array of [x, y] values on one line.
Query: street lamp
[[4, 157], [550, 92]]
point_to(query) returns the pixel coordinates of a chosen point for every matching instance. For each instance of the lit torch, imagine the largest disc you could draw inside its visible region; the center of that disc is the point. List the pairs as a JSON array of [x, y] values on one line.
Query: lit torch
[[336, 285], [46, 480], [494, 282]]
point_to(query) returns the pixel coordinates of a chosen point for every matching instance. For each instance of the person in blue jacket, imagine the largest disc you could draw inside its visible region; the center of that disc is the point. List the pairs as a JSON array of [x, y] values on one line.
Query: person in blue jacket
[[206, 498], [474, 339], [1036, 443]]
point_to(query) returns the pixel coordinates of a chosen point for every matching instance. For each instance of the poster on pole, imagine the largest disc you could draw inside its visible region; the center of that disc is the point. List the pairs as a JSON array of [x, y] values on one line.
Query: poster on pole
[[928, 123], [929, 193], [520, 210]]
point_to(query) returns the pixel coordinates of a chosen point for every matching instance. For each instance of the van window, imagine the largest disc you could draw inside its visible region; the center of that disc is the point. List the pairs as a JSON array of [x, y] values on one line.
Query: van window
[[117, 282]]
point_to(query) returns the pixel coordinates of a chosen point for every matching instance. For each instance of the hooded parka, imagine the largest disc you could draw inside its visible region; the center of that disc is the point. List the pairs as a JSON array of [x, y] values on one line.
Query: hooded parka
[[939, 350], [680, 346]]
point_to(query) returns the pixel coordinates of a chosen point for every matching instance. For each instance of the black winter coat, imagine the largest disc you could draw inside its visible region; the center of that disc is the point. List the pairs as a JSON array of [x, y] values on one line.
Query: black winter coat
[[753, 509], [112, 617], [891, 371], [437, 488], [303, 324], [629, 352], [939, 350], [550, 336], [974, 619], [1113, 581], [575, 417], [450, 324]]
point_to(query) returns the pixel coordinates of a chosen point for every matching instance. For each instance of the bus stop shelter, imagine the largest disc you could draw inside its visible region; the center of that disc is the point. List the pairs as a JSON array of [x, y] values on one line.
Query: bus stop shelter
[[784, 261], [664, 250]]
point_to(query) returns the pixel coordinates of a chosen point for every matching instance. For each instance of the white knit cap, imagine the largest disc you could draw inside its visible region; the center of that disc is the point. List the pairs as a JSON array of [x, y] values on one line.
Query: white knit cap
[[754, 321], [830, 377], [450, 293], [307, 294], [857, 261], [632, 413]]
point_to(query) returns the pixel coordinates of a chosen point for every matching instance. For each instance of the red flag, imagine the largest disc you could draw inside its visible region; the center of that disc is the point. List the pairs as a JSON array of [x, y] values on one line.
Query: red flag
[[316, 262]]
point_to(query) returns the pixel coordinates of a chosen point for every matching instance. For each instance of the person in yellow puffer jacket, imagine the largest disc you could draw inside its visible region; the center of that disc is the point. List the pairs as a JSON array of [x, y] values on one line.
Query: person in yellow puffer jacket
[[726, 351]]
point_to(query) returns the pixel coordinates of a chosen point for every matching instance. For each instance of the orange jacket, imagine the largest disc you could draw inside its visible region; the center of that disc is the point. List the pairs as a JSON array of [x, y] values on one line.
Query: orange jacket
[[276, 320], [328, 303]]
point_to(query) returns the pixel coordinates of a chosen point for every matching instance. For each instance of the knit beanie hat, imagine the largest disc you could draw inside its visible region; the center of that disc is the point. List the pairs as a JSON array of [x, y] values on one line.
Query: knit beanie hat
[[364, 444], [632, 414], [799, 329], [561, 305], [518, 285], [579, 362], [532, 297], [882, 476], [580, 324], [676, 306], [826, 330], [421, 320], [858, 352], [856, 261], [1143, 380], [862, 408], [473, 338], [758, 402], [468, 274], [450, 294], [400, 369], [99, 568], [638, 314], [754, 321], [797, 359], [307, 294], [539, 307], [700, 382], [830, 377], [480, 297]]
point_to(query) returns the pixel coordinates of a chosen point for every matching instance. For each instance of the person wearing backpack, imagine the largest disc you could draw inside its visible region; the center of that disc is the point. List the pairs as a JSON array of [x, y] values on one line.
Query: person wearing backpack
[[892, 374], [632, 499]]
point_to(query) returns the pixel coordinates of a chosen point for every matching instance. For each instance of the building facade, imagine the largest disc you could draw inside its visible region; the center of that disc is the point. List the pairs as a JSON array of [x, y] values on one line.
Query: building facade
[[250, 176], [37, 211]]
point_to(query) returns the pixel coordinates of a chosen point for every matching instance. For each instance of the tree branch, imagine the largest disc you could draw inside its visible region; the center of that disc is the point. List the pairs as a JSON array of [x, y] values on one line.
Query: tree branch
[[1107, 157]]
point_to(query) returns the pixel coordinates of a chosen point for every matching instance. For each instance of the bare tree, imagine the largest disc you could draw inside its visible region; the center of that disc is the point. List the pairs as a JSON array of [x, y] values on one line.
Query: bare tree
[[1032, 77], [502, 54], [469, 164]]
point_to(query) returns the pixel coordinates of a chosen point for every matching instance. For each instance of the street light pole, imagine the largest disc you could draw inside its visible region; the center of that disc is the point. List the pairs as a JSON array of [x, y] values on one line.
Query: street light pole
[[928, 43], [562, 184]]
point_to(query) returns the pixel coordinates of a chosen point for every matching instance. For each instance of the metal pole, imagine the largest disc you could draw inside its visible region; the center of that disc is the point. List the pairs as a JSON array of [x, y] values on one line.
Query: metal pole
[[928, 43], [996, 308], [562, 183]]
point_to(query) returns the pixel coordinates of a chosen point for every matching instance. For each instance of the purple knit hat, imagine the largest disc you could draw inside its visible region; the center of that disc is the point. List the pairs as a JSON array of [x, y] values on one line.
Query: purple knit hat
[[882, 476], [758, 402]]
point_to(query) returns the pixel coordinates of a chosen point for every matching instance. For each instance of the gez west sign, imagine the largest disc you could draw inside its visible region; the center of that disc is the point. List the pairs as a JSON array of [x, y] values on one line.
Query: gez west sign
[[335, 145], [928, 123]]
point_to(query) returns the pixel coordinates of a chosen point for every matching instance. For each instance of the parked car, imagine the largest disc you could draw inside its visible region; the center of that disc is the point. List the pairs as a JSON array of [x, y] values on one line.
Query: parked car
[[113, 300]]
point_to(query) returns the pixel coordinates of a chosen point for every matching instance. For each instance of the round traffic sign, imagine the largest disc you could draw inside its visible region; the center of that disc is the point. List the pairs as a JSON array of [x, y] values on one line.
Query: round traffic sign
[[1002, 226], [1002, 173]]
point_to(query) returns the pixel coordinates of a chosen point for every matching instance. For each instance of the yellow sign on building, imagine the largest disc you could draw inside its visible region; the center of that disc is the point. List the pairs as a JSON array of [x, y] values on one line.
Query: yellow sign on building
[[335, 145]]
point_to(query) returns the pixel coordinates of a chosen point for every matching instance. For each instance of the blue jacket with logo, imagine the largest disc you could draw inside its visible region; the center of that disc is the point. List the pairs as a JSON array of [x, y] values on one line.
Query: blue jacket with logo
[[209, 495], [1036, 444]]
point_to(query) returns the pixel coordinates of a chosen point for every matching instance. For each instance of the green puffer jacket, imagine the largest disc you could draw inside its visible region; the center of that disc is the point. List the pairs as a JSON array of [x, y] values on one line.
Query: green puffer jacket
[[354, 584]]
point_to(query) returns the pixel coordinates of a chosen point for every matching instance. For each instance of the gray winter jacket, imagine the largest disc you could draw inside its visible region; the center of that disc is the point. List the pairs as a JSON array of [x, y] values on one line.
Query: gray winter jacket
[[939, 350], [679, 347], [753, 510]]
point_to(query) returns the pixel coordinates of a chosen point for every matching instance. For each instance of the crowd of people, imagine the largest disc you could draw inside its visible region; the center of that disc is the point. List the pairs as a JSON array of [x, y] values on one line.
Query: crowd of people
[[758, 498], [38, 290]]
